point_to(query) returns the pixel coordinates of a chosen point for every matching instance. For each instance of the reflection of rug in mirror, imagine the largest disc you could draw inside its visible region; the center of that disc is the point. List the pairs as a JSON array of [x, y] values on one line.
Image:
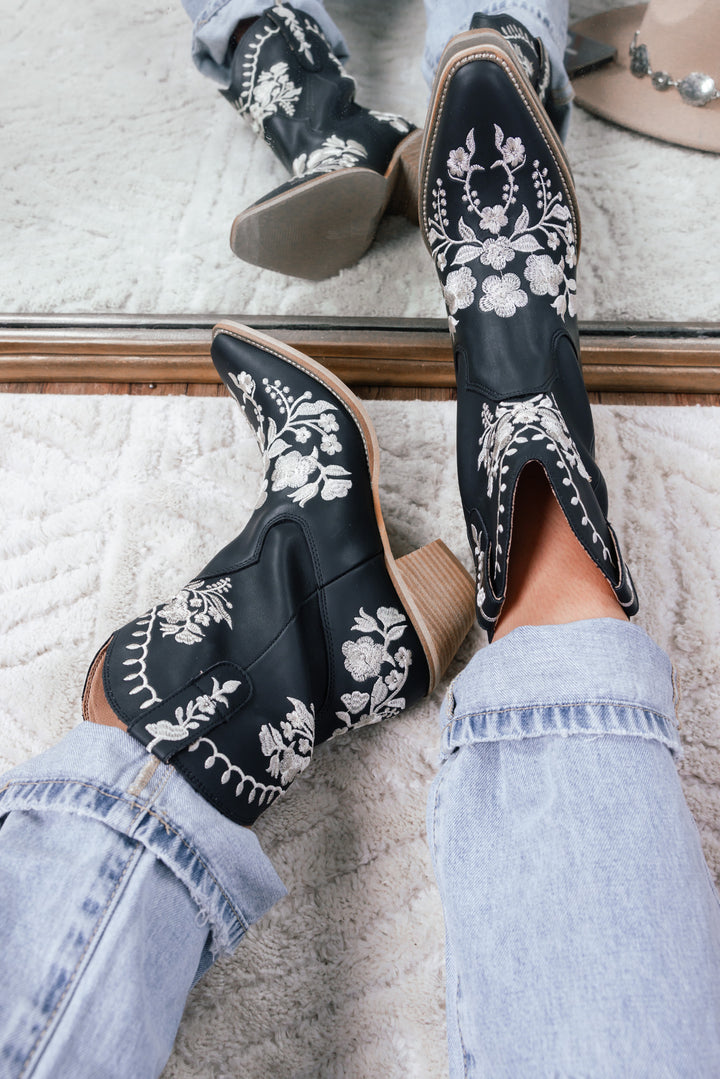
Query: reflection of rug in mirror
[[110, 503], [124, 169]]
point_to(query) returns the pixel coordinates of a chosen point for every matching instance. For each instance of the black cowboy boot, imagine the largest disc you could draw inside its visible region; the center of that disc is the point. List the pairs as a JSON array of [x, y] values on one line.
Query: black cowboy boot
[[499, 216], [349, 165], [302, 627]]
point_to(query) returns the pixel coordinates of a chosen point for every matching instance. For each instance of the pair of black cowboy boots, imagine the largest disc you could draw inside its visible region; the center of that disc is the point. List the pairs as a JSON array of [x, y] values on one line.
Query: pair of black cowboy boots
[[305, 626]]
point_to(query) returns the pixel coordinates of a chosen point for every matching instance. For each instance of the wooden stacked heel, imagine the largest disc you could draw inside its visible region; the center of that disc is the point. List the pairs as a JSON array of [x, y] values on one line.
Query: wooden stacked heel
[[441, 593]]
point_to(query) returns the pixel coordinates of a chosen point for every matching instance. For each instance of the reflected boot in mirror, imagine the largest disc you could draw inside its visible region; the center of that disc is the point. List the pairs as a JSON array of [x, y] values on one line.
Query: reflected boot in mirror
[[304, 626], [349, 165], [499, 216]]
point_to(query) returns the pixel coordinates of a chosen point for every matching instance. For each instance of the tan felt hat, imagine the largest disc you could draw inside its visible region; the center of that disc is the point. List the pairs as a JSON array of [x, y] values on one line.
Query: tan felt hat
[[681, 39]]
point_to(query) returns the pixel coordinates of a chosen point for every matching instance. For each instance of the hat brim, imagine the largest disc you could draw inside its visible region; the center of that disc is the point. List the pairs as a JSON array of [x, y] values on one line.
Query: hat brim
[[613, 93]]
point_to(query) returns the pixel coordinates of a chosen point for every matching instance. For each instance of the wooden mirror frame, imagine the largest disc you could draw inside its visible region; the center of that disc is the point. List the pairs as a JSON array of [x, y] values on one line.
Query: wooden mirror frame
[[113, 353]]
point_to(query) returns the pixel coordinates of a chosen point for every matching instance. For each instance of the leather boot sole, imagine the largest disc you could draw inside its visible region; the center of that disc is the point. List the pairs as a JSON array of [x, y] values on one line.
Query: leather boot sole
[[489, 45], [326, 224], [436, 590]]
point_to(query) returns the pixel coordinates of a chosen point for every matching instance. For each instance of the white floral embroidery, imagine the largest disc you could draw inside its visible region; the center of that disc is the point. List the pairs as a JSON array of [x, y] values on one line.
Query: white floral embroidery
[[264, 92], [391, 118], [289, 753], [503, 295], [335, 153], [481, 583], [196, 712], [366, 657], [459, 290], [193, 609], [290, 748], [273, 90], [512, 231], [144, 633], [514, 423], [304, 475], [296, 29]]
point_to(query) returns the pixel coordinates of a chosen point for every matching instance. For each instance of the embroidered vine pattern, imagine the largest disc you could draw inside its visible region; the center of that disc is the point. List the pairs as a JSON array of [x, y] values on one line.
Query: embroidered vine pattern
[[288, 750], [335, 153], [511, 425], [500, 234], [303, 475], [140, 675], [194, 608], [371, 656], [395, 121], [263, 93], [515, 35], [480, 578], [197, 711]]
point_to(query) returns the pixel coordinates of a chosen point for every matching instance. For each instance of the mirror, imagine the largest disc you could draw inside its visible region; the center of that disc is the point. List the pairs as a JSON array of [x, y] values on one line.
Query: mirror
[[124, 169]]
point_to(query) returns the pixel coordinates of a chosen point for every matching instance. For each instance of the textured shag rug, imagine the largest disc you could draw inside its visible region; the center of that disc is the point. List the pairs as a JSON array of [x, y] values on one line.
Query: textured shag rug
[[111, 503], [124, 168]]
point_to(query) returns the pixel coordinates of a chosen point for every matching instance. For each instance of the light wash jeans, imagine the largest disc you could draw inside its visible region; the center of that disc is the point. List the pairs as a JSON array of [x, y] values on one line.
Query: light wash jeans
[[583, 931], [214, 21]]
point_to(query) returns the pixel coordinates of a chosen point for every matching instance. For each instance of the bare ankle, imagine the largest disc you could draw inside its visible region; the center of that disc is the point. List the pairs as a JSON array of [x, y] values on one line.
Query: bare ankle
[[551, 578]]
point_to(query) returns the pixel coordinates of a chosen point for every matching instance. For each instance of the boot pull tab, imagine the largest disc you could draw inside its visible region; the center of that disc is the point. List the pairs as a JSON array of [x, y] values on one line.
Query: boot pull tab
[[293, 26]]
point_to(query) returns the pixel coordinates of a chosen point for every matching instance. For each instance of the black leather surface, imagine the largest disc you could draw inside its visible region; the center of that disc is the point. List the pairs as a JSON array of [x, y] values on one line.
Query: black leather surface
[[500, 219], [319, 99], [293, 631]]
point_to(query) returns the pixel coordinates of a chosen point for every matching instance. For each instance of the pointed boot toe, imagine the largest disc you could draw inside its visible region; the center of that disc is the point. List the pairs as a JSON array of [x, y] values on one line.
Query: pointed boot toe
[[304, 626], [499, 216]]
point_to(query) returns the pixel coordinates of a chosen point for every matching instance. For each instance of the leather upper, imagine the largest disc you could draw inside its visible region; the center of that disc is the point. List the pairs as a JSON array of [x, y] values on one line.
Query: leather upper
[[499, 216], [289, 84], [294, 631]]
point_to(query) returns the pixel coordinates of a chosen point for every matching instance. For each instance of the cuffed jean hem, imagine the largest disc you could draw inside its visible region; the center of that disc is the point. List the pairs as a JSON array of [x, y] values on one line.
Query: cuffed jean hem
[[214, 22], [103, 773], [602, 676]]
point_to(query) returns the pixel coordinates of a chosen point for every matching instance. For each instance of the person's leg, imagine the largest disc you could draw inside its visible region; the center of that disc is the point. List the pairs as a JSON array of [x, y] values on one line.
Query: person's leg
[[583, 931], [214, 23], [119, 885], [582, 927], [544, 19]]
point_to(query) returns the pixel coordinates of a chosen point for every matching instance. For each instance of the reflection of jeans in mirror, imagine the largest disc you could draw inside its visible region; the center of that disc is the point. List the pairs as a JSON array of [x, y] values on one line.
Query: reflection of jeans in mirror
[[214, 22]]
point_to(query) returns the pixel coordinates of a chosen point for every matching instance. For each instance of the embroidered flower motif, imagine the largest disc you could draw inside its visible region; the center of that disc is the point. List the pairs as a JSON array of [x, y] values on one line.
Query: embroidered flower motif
[[197, 711], [193, 609], [459, 289], [367, 657], [363, 658], [335, 153], [273, 90], [544, 275], [304, 417], [391, 118], [497, 253], [503, 295], [513, 152], [512, 231], [292, 470], [458, 162], [493, 218], [289, 749]]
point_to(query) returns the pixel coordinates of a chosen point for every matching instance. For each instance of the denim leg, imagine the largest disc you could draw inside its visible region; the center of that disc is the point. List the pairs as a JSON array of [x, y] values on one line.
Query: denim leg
[[582, 926], [119, 885], [214, 21], [546, 19]]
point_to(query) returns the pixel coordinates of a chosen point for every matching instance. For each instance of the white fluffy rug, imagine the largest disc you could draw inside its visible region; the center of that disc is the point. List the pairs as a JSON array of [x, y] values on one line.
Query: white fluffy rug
[[110, 503], [124, 168]]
